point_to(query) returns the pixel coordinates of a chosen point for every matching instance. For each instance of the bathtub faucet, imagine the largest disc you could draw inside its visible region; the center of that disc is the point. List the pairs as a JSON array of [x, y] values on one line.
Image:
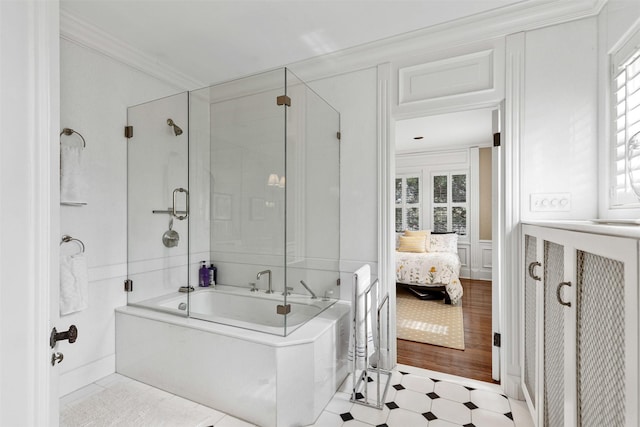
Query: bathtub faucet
[[270, 290], [313, 296]]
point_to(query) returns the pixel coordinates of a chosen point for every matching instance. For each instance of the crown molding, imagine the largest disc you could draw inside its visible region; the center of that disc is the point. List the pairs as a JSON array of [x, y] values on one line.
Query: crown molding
[[497, 23], [489, 25], [80, 32]]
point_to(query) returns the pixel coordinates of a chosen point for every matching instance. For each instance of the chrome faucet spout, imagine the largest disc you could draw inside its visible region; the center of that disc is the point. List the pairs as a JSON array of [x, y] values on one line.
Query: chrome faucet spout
[[313, 295], [270, 290]]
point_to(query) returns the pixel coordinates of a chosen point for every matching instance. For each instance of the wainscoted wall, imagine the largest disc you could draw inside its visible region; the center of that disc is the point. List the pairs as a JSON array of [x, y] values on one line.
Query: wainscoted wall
[[95, 94]]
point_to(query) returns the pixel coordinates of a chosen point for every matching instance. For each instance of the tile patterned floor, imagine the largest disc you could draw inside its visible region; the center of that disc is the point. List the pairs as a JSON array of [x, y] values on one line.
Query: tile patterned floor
[[416, 398]]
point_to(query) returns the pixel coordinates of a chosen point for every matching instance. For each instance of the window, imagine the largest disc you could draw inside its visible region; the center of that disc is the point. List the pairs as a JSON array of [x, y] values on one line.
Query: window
[[449, 201], [625, 115], [408, 203]]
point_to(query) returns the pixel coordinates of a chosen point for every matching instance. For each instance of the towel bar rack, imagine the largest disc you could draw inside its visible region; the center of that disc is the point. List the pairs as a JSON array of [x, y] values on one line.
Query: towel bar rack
[[69, 131], [66, 239]]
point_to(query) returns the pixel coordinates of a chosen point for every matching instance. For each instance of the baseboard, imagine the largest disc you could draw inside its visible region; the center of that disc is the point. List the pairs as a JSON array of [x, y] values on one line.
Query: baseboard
[[511, 384], [87, 374]]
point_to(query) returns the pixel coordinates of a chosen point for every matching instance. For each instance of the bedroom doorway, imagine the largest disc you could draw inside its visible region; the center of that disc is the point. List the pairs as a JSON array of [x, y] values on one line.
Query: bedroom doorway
[[446, 179]]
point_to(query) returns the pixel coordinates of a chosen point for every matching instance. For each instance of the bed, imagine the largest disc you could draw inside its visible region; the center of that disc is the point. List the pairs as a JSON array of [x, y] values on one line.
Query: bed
[[433, 270]]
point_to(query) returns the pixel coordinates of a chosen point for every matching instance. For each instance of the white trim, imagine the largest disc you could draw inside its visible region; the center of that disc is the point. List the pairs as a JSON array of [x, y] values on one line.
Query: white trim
[[386, 203], [506, 262], [84, 34]]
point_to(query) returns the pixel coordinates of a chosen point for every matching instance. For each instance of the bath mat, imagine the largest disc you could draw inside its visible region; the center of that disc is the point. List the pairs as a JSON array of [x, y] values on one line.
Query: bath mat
[[133, 404], [431, 322]]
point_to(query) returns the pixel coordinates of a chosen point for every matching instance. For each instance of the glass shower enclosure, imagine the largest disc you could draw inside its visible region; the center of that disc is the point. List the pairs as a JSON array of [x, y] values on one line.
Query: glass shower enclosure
[[244, 175]]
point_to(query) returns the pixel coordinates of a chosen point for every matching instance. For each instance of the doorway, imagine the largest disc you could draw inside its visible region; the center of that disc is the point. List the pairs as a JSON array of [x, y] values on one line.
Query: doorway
[[446, 181]]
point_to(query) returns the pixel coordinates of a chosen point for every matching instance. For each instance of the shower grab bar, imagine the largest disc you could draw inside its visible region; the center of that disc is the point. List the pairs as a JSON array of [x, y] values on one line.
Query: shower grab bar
[[173, 209]]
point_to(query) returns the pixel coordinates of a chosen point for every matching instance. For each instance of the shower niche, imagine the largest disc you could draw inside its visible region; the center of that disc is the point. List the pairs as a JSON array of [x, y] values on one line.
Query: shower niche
[[244, 175]]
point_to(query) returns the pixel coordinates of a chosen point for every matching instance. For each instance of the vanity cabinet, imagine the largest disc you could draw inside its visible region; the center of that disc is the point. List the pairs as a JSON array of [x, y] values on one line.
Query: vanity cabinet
[[579, 318]]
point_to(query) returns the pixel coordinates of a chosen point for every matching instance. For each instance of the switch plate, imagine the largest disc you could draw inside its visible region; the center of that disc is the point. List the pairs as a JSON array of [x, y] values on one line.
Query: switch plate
[[550, 202]]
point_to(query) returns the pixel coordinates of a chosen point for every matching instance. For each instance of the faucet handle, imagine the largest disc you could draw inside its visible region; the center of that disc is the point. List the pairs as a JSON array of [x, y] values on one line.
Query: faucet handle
[[327, 294], [254, 288], [287, 290]]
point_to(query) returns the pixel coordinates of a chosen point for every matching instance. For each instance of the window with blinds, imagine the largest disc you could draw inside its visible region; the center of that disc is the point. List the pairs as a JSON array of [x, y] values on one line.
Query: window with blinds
[[625, 114], [408, 203], [449, 202]]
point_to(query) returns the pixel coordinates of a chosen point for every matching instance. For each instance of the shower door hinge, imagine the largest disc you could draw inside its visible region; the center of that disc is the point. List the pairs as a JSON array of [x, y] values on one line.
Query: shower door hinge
[[128, 285], [283, 100], [338, 135], [283, 309], [497, 140], [338, 282], [128, 131], [496, 339]]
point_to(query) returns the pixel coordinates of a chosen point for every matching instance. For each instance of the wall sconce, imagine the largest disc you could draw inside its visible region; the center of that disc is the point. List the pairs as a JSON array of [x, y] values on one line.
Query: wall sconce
[[273, 180]]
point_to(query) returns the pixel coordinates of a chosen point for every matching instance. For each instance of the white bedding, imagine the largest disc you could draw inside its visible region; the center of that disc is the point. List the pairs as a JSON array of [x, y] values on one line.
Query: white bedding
[[430, 269]]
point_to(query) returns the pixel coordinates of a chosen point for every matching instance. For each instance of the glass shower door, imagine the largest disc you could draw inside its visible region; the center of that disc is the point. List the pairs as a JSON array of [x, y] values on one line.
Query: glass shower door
[[158, 204]]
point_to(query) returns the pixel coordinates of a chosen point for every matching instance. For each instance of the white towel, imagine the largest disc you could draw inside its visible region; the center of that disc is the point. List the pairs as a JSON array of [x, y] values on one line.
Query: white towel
[[361, 281], [72, 182], [74, 283]]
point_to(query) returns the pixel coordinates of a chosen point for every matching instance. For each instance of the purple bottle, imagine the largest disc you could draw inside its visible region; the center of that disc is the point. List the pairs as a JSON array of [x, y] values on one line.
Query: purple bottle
[[203, 275]]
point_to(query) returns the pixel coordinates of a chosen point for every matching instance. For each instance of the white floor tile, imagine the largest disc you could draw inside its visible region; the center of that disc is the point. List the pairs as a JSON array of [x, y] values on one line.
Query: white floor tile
[[340, 403], [452, 391], [442, 423], [229, 421], [403, 418], [485, 418], [80, 394], [413, 401], [328, 419], [449, 410], [521, 414], [112, 379], [417, 383], [355, 423], [491, 401], [370, 415]]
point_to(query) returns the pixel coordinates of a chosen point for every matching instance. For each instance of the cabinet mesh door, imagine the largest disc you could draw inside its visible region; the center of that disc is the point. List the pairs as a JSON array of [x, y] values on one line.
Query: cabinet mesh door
[[553, 336], [530, 321], [601, 344]]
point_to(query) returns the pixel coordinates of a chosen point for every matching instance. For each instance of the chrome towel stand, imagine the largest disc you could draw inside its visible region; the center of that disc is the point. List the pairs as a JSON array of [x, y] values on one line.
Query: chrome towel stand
[[362, 380], [66, 239]]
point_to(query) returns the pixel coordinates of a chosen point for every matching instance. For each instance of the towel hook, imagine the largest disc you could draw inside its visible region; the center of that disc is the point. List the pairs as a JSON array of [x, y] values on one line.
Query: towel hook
[[69, 131], [66, 239]]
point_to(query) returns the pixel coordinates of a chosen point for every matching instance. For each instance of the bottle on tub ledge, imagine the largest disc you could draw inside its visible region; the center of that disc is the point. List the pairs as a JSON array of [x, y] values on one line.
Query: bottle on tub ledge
[[203, 275], [213, 275]]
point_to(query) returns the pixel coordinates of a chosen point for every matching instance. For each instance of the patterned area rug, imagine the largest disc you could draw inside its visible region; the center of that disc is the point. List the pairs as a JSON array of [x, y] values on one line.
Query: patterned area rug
[[431, 322]]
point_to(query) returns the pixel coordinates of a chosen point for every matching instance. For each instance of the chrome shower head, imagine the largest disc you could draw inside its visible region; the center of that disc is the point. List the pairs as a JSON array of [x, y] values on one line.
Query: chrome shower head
[[176, 128]]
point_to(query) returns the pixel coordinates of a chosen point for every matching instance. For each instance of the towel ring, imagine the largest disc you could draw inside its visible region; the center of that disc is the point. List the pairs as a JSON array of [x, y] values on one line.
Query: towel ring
[[66, 239], [69, 131]]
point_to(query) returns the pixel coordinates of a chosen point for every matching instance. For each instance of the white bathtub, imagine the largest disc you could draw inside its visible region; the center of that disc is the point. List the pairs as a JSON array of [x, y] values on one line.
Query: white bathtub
[[238, 307], [268, 380]]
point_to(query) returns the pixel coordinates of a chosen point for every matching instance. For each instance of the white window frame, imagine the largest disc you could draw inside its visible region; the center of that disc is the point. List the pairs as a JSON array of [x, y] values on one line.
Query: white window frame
[[404, 205], [450, 204], [621, 195]]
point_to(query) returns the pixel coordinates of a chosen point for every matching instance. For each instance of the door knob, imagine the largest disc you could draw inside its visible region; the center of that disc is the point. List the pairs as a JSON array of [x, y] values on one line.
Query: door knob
[[56, 357], [71, 335]]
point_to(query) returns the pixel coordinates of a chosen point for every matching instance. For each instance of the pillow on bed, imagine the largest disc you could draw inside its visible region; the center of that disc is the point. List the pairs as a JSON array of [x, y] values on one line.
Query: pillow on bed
[[421, 233], [411, 244], [444, 243]]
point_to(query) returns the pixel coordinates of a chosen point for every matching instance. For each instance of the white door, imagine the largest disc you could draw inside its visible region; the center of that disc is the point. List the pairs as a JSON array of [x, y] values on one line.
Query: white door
[[497, 186]]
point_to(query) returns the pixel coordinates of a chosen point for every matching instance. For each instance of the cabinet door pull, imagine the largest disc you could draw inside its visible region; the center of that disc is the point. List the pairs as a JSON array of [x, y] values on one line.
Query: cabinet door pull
[[559, 290], [532, 266]]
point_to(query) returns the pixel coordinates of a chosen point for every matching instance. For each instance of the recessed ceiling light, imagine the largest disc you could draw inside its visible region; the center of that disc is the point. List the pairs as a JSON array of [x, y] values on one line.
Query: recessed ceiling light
[[418, 137]]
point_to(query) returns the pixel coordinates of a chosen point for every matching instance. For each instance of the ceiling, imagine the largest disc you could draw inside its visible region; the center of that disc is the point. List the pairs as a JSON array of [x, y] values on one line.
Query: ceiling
[[217, 40], [445, 131]]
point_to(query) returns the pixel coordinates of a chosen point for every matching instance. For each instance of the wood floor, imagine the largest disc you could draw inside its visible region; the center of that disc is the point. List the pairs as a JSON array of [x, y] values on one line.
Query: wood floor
[[475, 360]]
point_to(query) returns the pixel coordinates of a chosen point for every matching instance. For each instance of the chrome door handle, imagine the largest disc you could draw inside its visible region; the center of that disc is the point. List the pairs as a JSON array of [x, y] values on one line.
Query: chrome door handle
[[173, 209], [532, 266], [559, 297]]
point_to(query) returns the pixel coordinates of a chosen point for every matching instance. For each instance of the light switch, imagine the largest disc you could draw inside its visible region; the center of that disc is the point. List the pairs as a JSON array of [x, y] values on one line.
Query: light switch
[[550, 202]]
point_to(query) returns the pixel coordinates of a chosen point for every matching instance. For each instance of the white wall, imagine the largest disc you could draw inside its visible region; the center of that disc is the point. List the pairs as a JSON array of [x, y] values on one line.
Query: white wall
[[614, 21], [559, 139], [95, 94]]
